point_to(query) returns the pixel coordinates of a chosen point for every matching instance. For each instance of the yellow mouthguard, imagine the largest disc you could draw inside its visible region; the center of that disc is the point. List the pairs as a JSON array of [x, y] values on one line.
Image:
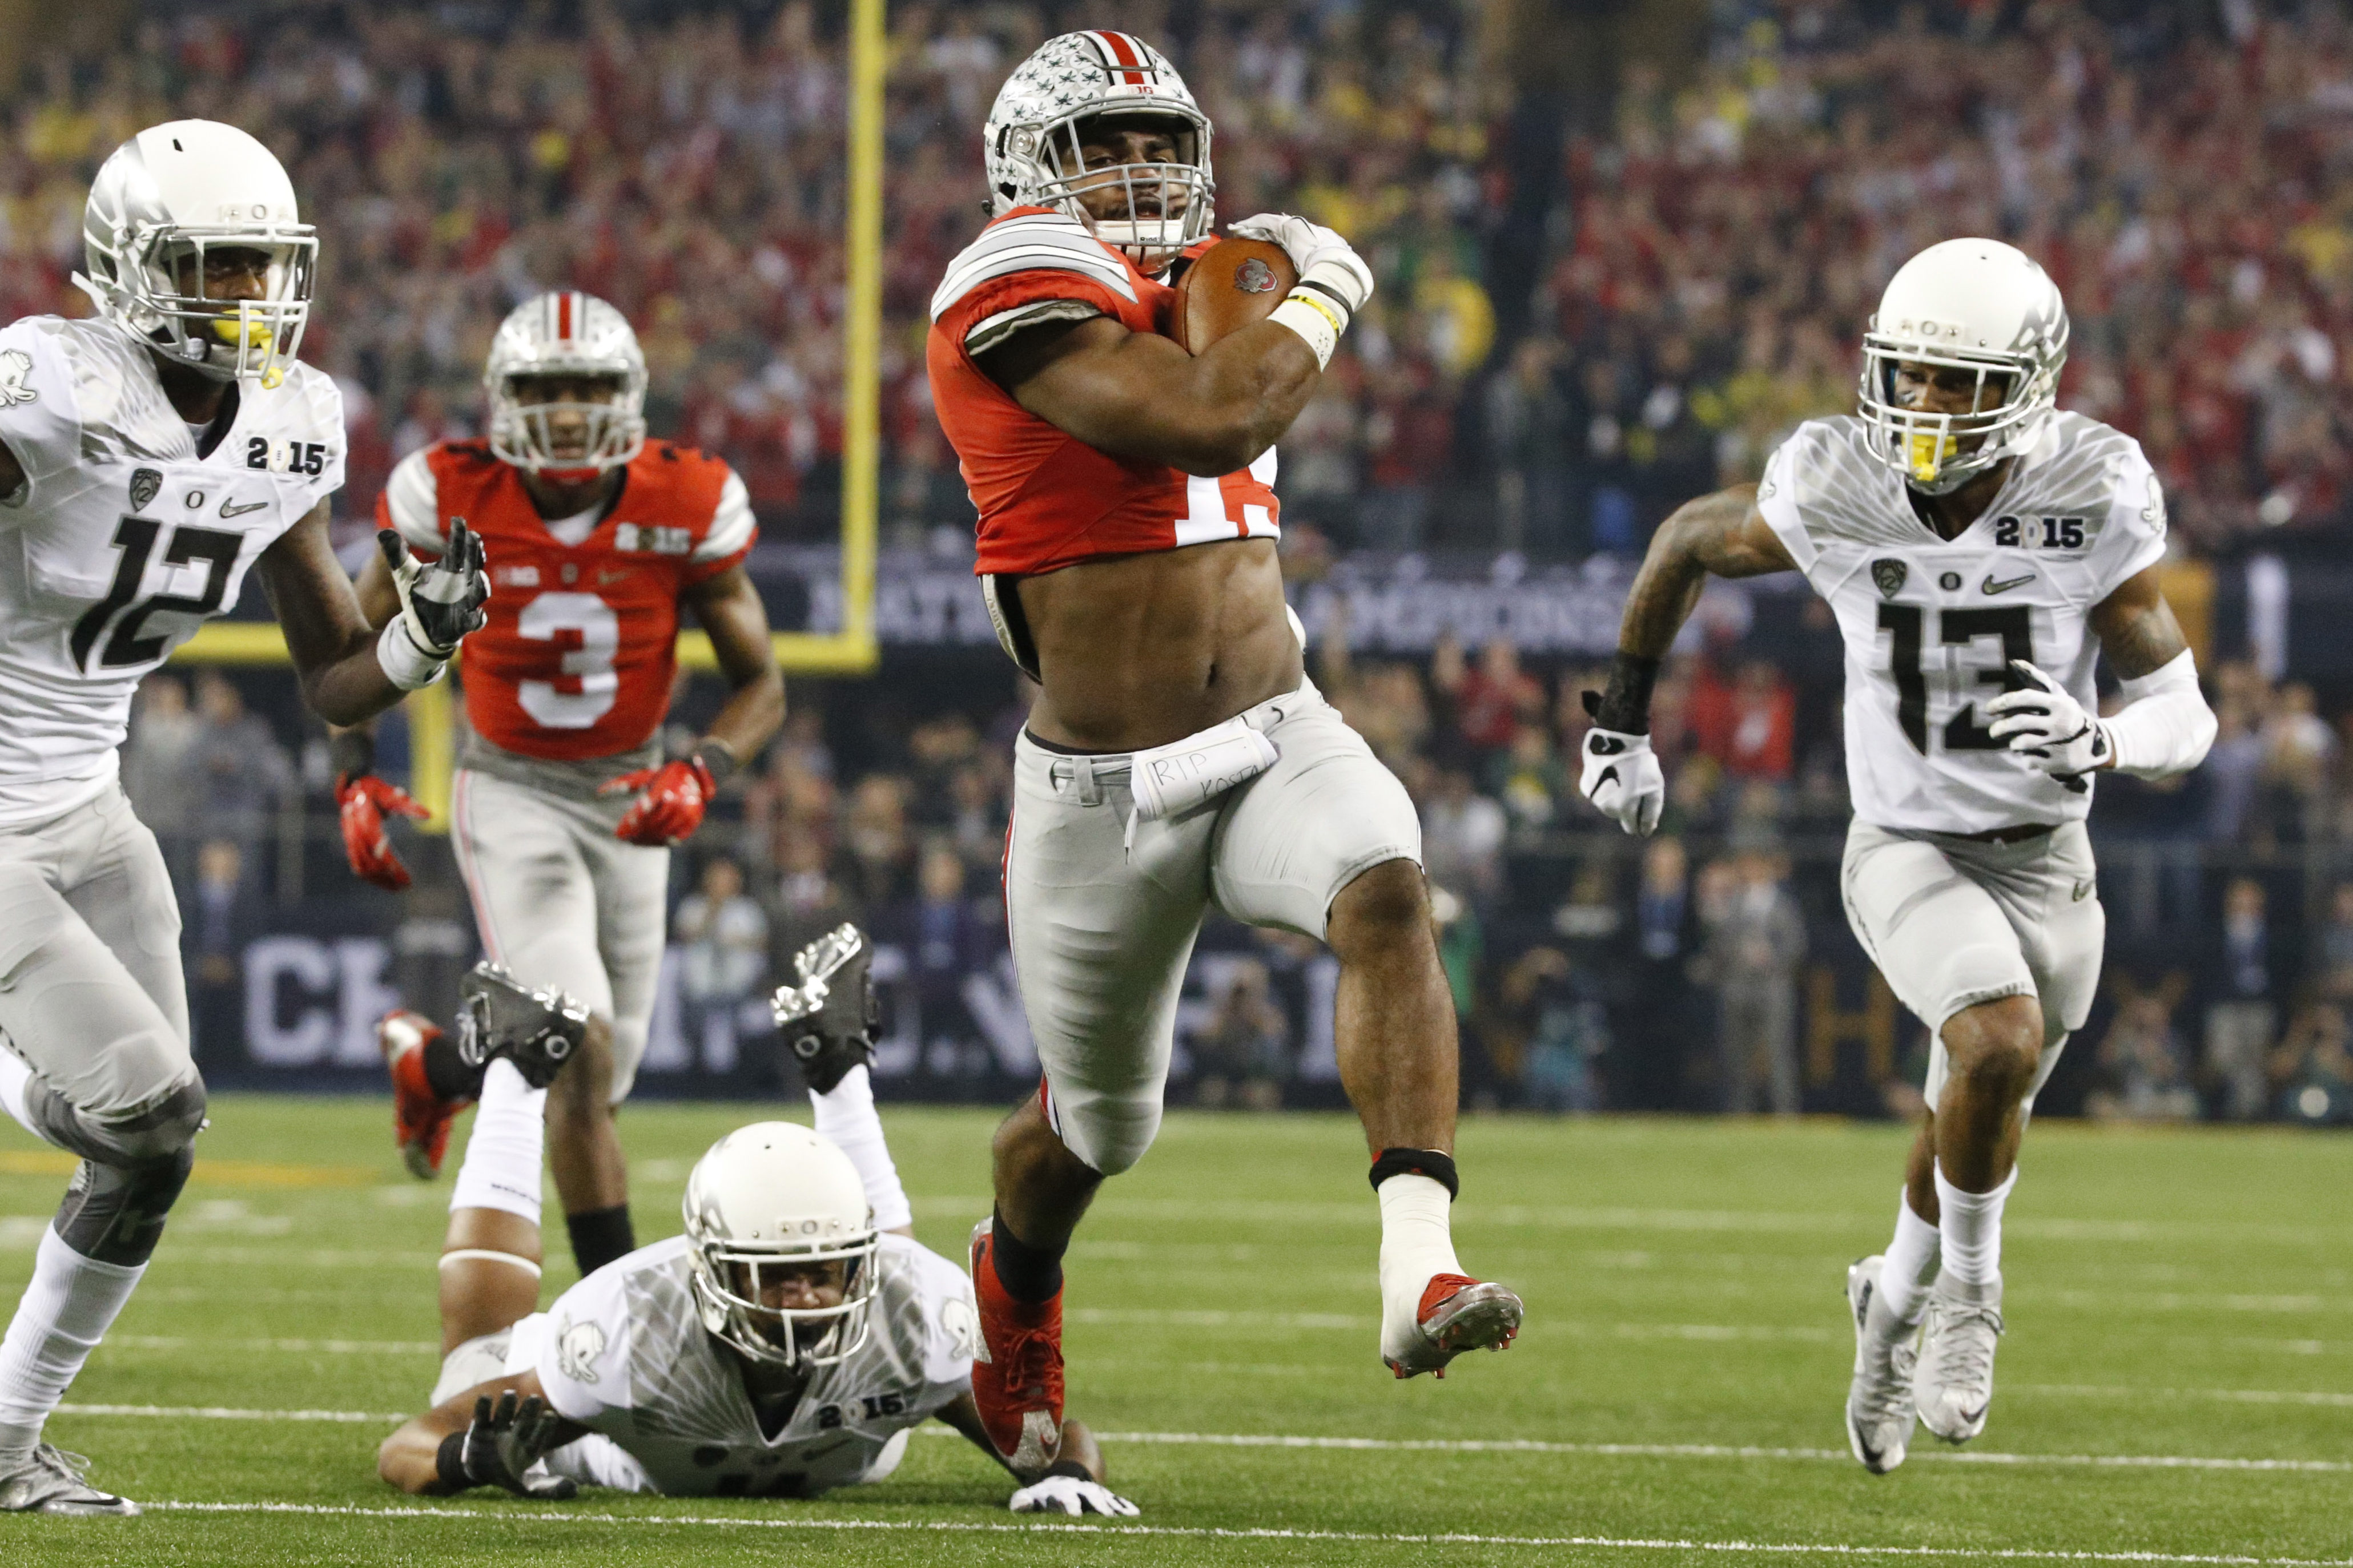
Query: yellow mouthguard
[[1927, 454], [237, 331]]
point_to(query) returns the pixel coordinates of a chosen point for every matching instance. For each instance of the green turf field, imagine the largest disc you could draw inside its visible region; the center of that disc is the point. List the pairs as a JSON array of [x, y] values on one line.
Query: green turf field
[[2178, 1381]]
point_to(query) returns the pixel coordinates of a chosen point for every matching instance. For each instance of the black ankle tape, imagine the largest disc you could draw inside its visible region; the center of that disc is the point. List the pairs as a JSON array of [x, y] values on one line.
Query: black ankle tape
[[1438, 1167], [447, 1072], [600, 1235], [1027, 1273]]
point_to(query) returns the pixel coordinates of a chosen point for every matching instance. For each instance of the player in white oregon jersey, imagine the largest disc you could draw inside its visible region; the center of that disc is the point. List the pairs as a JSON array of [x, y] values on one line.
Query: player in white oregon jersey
[[785, 1345], [150, 458], [1982, 551]]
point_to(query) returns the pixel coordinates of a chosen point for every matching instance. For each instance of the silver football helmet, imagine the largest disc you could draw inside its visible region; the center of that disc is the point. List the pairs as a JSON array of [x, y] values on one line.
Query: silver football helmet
[[1975, 305], [566, 333], [771, 1196], [1031, 143], [160, 203]]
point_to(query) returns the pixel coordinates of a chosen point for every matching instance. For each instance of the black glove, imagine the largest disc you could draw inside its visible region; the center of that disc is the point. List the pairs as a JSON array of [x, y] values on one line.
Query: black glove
[[829, 1019], [441, 600], [500, 1445]]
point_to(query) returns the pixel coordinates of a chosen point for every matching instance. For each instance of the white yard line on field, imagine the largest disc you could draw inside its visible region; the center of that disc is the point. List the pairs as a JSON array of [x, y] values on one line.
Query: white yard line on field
[[1041, 1527], [1394, 1444], [2234, 1395], [292, 1347]]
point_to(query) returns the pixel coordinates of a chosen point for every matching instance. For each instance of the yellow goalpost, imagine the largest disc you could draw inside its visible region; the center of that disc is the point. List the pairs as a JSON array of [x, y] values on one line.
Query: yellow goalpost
[[853, 649]]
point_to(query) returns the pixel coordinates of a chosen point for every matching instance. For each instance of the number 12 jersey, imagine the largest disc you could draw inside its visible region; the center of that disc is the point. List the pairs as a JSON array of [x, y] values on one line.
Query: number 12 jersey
[[123, 538], [1931, 624]]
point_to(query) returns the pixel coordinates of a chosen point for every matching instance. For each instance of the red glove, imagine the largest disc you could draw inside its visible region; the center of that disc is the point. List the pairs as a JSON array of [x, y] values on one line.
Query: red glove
[[363, 800], [669, 805]]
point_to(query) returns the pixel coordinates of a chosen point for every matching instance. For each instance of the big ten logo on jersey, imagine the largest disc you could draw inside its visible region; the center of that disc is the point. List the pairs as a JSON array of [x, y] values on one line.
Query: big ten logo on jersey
[[280, 457], [652, 539], [2040, 533]]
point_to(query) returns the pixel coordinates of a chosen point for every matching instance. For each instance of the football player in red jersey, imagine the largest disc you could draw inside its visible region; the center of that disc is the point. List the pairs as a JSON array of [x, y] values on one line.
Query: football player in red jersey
[[1177, 755], [562, 808]]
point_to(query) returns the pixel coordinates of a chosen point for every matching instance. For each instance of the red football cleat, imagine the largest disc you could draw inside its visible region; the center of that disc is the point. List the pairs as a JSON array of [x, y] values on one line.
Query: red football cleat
[[1457, 1313], [420, 1118], [1017, 1378]]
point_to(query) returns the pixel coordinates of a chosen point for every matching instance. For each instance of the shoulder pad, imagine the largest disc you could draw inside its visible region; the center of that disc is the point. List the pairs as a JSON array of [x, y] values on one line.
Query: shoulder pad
[[1031, 242]]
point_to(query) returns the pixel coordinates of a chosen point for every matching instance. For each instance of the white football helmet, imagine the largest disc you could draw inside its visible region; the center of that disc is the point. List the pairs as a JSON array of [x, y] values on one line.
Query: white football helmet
[[164, 198], [1975, 305], [1031, 143], [770, 1195], [566, 333]]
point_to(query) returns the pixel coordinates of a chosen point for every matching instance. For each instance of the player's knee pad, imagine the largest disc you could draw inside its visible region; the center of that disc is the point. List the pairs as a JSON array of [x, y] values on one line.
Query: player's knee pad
[[1109, 1134], [115, 1214], [157, 1132]]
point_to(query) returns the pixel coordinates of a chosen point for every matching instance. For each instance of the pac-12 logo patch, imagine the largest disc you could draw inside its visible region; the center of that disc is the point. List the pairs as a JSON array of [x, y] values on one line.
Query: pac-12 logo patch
[[16, 365], [1889, 573], [144, 483], [1254, 277]]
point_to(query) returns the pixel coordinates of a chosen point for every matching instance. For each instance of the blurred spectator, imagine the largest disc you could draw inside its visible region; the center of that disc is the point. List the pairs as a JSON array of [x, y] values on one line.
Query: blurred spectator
[[1529, 780], [1463, 835], [1755, 940], [722, 938], [2242, 1018], [236, 766], [1750, 727], [1490, 700], [223, 915], [157, 776], [1569, 1033], [2313, 1068], [2143, 1075], [1243, 1056]]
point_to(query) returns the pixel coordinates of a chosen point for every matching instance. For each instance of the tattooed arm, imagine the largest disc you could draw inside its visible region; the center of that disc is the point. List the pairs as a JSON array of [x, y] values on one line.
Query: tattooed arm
[[2136, 629], [1724, 535], [1721, 535]]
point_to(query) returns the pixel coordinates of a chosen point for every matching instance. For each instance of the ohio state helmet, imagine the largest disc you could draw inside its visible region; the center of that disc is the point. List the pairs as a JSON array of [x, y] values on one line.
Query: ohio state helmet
[[1031, 143], [572, 334], [777, 1196], [1976, 305], [160, 203]]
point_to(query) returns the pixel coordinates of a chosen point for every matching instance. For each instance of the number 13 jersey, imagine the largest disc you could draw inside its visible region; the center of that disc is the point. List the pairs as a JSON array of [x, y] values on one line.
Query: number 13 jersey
[[123, 539], [1930, 624], [576, 658]]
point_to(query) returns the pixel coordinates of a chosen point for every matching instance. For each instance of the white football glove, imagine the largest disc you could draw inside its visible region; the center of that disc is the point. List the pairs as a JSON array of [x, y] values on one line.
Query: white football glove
[[1623, 780], [2045, 723], [1326, 262], [440, 602], [1072, 1495]]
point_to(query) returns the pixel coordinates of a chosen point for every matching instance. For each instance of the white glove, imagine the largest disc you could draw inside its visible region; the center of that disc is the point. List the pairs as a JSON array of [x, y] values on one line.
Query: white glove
[[2044, 723], [1326, 262], [1623, 780], [1070, 1495]]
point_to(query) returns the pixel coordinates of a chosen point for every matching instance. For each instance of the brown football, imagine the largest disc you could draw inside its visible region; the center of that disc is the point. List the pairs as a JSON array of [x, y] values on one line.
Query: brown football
[[1234, 283]]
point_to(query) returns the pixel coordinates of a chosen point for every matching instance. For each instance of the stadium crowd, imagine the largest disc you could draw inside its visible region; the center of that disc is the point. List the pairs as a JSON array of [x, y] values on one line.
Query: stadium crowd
[[1715, 247]]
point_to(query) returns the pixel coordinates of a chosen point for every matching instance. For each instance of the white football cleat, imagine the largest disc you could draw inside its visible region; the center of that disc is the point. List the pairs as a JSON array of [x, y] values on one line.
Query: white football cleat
[[53, 1482], [1456, 1313], [1879, 1410], [1952, 1385]]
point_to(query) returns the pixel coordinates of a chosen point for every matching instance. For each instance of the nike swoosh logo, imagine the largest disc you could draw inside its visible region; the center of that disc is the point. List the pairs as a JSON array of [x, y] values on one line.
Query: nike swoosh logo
[[1990, 586], [229, 511]]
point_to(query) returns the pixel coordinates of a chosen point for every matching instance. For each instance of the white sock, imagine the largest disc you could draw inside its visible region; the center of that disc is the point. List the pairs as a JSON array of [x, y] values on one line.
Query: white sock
[[1417, 1241], [1970, 1227], [1911, 1263], [14, 1077], [505, 1150], [67, 1309], [847, 1116]]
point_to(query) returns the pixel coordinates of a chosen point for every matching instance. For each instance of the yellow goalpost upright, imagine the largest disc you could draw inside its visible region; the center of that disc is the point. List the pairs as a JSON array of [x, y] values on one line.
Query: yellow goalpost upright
[[851, 649]]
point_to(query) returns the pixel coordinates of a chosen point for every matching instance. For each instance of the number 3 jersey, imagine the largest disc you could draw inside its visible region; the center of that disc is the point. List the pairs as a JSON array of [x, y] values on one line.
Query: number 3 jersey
[[123, 538], [1930, 624], [624, 1354], [576, 658]]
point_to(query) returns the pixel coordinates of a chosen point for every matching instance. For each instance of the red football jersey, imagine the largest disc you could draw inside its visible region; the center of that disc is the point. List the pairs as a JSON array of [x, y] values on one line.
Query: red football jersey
[[1046, 499], [578, 657]]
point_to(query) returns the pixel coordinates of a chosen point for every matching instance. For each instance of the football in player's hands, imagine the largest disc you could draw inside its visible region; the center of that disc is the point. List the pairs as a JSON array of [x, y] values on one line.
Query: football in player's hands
[[1229, 285], [1326, 261], [1073, 1495], [360, 801]]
